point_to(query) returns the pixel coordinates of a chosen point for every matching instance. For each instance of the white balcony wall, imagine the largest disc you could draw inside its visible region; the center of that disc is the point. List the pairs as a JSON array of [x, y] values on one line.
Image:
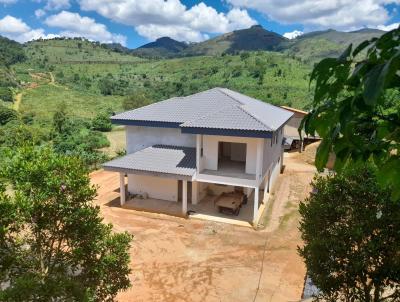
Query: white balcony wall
[[138, 137]]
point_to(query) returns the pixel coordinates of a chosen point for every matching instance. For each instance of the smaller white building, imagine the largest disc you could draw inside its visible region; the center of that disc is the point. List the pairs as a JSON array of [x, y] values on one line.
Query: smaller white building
[[183, 148]]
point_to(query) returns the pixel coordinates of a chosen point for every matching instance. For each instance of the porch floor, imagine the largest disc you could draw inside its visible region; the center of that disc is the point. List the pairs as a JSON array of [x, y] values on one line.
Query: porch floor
[[205, 209]]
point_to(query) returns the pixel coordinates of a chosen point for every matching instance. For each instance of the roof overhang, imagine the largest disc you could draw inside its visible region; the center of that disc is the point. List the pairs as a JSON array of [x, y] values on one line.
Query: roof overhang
[[159, 124], [158, 160], [148, 173], [227, 132]]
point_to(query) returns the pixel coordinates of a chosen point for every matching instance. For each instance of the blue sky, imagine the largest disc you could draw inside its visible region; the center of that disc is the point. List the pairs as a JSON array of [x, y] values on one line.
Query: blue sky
[[136, 22]]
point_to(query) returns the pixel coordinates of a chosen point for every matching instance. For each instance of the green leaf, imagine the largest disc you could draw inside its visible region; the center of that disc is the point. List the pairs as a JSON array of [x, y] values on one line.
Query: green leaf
[[323, 154], [374, 83]]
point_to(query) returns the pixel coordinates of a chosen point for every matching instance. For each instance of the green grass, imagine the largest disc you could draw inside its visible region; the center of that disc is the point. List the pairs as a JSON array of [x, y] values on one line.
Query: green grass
[[58, 51], [44, 100], [284, 79]]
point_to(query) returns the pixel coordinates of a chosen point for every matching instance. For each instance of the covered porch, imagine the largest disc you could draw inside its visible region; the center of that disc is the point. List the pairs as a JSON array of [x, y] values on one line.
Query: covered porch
[[205, 209], [163, 179]]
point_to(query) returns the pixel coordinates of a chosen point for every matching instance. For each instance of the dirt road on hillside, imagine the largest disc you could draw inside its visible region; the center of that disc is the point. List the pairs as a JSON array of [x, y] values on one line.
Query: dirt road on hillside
[[174, 259]]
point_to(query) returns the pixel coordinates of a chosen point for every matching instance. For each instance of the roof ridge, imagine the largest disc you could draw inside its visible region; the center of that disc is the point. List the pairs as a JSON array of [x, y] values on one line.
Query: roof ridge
[[229, 96], [207, 115], [243, 109], [255, 117]]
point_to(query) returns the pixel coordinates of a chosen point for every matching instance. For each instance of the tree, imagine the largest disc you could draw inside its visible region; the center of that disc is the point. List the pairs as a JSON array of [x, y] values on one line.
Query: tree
[[53, 243], [7, 115], [350, 229], [101, 122], [106, 85], [136, 100], [356, 108], [60, 119]]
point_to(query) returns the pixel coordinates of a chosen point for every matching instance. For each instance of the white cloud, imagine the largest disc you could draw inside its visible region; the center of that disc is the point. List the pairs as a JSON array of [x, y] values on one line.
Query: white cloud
[[39, 13], [180, 33], [157, 18], [74, 25], [12, 25], [16, 29], [293, 34], [339, 14], [57, 4], [388, 27]]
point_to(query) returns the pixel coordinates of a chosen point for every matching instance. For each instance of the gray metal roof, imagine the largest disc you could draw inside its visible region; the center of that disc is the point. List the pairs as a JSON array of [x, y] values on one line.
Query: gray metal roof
[[158, 158], [218, 108]]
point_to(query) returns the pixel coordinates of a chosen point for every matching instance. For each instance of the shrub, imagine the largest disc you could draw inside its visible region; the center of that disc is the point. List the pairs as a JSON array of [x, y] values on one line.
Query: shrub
[[350, 229], [101, 122], [6, 94], [136, 100], [7, 115]]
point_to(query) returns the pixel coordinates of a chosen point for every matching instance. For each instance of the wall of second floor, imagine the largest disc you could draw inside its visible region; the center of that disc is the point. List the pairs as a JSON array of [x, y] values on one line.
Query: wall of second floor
[[139, 137], [210, 144]]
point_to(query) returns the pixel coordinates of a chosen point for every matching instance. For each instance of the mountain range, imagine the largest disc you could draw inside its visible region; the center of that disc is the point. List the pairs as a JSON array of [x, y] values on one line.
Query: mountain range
[[316, 45]]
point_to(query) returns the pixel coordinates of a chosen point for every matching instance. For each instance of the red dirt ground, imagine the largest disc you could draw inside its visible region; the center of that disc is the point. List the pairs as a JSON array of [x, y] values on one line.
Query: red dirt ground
[[175, 259]]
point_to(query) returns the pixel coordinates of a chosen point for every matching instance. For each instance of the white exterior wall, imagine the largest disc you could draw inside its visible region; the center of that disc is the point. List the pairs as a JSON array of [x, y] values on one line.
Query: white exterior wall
[[272, 153], [210, 151], [274, 174], [155, 187], [138, 137]]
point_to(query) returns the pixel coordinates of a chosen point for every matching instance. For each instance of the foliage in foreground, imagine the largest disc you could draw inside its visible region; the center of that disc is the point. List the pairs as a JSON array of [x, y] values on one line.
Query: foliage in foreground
[[350, 229], [356, 108], [53, 243]]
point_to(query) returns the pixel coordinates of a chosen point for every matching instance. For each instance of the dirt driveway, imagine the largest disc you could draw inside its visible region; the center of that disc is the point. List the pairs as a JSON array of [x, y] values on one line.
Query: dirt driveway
[[175, 259]]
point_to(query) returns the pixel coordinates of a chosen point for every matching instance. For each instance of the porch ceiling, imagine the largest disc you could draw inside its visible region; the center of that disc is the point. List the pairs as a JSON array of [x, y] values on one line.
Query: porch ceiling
[[157, 159]]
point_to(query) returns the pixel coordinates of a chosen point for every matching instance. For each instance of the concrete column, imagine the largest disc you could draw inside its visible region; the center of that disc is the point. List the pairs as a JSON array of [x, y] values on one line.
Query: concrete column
[[259, 161], [122, 191], [255, 213], [195, 192], [198, 152], [184, 197]]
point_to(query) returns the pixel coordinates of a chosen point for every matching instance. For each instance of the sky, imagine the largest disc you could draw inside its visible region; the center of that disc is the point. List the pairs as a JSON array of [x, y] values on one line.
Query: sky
[[133, 23]]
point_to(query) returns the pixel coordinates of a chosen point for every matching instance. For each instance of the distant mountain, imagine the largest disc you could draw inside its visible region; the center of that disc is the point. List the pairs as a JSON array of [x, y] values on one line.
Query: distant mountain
[[317, 45], [163, 47], [253, 38]]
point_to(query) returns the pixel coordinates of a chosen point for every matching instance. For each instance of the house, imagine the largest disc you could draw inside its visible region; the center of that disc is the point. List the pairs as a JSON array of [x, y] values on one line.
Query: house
[[181, 149], [291, 129]]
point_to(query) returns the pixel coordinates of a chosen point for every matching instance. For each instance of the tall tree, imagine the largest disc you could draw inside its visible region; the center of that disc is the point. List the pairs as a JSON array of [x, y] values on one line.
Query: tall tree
[[356, 108], [53, 243]]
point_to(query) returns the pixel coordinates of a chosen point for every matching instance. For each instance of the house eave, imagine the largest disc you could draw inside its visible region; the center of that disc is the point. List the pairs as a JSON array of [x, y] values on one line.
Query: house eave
[[227, 132]]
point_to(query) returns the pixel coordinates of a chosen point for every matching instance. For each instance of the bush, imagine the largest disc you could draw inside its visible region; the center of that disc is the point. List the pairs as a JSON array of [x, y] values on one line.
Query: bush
[[136, 100], [6, 94], [7, 115], [350, 229], [101, 122]]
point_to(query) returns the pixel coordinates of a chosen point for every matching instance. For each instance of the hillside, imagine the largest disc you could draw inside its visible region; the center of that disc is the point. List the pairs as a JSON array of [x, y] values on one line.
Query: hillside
[[314, 46], [253, 38], [161, 48], [98, 83], [76, 51]]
